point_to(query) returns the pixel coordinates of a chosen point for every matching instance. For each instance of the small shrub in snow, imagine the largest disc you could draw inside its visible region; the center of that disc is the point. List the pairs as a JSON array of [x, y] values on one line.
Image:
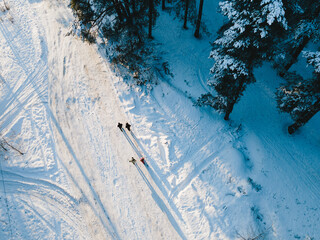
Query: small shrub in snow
[[5, 145], [253, 234], [254, 185], [258, 236]]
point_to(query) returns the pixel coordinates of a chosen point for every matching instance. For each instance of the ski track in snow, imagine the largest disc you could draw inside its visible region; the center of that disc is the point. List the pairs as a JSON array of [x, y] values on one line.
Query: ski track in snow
[[30, 86], [94, 139], [26, 98], [184, 157]]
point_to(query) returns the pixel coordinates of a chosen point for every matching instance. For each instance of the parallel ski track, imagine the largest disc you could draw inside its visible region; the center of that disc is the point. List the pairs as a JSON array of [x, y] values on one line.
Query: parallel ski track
[[225, 139], [20, 61], [23, 97], [295, 163], [57, 199], [158, 198], [53, 226], [196, 172], [6, 201], [159, 201], [39, 186]]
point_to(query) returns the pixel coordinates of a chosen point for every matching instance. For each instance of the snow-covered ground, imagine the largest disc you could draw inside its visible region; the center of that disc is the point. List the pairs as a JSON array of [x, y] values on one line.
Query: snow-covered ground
[[207, 178]]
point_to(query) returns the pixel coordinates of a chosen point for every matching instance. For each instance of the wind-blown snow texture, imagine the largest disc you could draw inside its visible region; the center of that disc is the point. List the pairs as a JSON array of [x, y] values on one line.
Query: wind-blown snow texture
[[207, 178]]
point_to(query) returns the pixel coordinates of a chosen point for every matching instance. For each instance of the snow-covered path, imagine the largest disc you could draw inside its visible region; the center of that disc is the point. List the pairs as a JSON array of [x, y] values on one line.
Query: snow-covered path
[[80, 168], [84, 101], [34, 197]]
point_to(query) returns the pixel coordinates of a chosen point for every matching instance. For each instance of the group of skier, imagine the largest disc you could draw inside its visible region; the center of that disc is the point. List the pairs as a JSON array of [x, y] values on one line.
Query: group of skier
[[132, 141]]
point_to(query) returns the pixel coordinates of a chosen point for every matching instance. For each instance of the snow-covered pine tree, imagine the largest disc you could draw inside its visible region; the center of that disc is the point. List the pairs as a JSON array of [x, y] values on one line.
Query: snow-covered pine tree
[[242, 45], [303, 18], [301, 98]]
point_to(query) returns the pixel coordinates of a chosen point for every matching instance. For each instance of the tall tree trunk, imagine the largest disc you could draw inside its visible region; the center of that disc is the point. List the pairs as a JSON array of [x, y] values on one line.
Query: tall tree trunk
[[296, 52], [127, 8], [229, 110], [133, 3], [150, 18], [197, 32], [118, 10], [6, 6], [231, 104], [304, 118], [163, 4], [186, 15]]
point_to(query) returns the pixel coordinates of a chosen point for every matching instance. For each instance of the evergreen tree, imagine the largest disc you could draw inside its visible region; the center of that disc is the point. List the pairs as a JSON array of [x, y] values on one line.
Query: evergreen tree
[[85, 17], [301, 98], [242, 44], [303, 18]]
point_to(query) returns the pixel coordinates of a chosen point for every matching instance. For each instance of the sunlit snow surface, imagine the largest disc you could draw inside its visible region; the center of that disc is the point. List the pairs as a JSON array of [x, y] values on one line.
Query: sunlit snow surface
[[207, 178]]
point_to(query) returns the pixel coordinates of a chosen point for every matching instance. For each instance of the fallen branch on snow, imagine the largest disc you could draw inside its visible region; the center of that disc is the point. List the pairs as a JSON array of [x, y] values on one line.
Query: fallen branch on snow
[[5, 141]]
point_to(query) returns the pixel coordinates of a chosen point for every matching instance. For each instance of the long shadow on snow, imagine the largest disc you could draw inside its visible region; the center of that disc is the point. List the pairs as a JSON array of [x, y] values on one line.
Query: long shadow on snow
[[7, 34], [113, 230], [108, 225], [158, 181], [161, 204], [154, 176]]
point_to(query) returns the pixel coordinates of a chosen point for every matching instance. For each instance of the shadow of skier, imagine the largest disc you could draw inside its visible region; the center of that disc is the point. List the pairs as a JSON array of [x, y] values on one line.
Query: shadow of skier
[[161, 183], [161, 204]]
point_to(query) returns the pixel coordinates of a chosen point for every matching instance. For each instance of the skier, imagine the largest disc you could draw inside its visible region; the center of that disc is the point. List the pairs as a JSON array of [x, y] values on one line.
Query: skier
[[128, 126], [135, 146], [133, 161], [120, 126]]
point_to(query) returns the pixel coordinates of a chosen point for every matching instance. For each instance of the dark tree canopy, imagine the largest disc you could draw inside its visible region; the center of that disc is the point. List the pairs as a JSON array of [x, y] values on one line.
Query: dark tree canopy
[[304, 26], [256, 31], [301, 98], [125, 24], [113, 18], [266, 30]]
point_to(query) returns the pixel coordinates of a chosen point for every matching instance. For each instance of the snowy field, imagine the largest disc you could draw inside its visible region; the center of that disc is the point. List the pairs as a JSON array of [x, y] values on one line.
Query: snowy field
[[64, 164]]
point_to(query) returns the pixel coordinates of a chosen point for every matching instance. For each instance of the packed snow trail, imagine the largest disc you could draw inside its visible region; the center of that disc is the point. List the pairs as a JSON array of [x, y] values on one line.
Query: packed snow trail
[[157, 195], [95, 109], [110, 202], [104, 218]]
